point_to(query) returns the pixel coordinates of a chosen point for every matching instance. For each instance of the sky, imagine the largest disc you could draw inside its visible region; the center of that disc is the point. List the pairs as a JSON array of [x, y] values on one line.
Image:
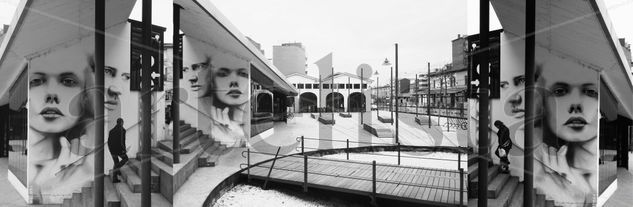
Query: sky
[[359, 31]]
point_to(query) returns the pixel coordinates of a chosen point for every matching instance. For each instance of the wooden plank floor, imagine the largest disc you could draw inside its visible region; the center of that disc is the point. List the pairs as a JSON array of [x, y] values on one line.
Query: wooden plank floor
[[413, 184]]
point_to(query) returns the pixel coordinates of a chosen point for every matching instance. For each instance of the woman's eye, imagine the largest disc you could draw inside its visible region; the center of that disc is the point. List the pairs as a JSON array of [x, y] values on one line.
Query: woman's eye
[[591, 93], [222, 74], [36, 82], [243, 74], [108, 72], [69, 82], [503, 84], [559, 91]]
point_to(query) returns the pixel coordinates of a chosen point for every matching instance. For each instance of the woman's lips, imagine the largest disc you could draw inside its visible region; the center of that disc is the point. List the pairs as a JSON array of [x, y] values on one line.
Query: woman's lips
[[110, 105], [234, 93], [576, 123], [50, 113], [195, 87]]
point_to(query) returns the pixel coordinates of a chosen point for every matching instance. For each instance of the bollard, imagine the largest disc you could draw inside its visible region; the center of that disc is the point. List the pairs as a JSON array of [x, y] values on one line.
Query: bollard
[[302, 145], [448, 125], [373, 178], [305, 173], [347, 149]]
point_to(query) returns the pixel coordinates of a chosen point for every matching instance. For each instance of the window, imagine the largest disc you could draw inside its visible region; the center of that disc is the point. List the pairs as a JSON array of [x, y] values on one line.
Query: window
[[341, 86], [315, 86], [334, 86], [364, 86], [356, 86], [326, 86], [308, 86], [294, 84], [349, 86], [300, 86]]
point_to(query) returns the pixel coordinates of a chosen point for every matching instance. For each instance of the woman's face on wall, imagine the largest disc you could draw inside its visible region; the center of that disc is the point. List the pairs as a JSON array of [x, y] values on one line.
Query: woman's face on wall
[[571, 100], [232, 84], [55, 86]]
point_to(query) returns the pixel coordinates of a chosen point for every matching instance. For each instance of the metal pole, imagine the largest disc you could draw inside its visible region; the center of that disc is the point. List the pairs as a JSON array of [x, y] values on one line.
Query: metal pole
[[175, 100], [377, 89], [483, 104], [302, 145], [417, 97], [530, 16], [398, 153], [459, 160], [461, 187], [146, 96], [373, 179], [320, 96], [248, 164], [428, 95], [332, 92], [362, 95], [305, 173], [99, 84], [347, 149], [391, 99], [348, 86], [397, 94]]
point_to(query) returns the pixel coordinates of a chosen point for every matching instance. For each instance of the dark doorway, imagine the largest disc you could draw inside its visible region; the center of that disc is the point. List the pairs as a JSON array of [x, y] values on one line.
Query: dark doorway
[[356, 102], [4, 131], [335, 102], [307, 102], [264, 102], [279, 106]]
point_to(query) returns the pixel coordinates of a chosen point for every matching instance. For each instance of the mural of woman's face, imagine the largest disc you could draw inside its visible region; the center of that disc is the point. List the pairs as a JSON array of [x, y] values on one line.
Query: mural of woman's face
[[232, 85], [56, 81], [571, 100]]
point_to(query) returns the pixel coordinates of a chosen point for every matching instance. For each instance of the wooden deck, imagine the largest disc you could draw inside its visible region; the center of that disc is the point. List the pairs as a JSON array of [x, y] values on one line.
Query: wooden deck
[[434, 187]]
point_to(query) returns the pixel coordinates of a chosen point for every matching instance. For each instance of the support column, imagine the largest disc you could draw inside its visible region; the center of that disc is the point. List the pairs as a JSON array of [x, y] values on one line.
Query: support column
[[397, 92], [99, 59], [482, 198], [175, 100], [528, 179], [146, 98]]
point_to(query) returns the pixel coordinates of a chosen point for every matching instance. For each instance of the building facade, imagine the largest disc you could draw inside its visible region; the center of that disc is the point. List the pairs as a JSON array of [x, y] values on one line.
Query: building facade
[[290, 58]]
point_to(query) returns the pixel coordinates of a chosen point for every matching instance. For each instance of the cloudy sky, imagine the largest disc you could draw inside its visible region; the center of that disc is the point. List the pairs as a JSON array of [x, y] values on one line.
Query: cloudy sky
[[359, 31]]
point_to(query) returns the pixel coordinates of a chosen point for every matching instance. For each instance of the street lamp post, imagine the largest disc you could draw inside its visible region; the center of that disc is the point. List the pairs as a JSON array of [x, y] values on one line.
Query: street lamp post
[[377, 84], [387, 63]]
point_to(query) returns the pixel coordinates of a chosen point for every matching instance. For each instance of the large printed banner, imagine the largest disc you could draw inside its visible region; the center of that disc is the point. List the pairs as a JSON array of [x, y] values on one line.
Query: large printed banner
[[60, 116], [566, 127], [217, 84]]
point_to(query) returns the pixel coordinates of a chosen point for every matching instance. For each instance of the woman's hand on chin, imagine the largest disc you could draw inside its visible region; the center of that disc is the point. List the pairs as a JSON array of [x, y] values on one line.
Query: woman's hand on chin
[[557, 179]]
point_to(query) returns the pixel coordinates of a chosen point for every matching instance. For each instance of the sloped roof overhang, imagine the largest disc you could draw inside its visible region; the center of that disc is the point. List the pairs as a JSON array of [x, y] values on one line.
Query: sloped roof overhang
[[202, 21], [40, 26], [580, 31]]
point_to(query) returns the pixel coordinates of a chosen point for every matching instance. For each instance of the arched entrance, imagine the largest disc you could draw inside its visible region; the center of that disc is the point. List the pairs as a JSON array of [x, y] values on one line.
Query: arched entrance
[[307, 102], [335, 101], [356, 102], [264, 102]]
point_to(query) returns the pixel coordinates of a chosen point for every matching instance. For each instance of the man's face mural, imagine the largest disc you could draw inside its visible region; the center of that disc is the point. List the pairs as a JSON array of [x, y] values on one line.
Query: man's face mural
[[114, 81], [56, 83], [195, 77], [571, 100]]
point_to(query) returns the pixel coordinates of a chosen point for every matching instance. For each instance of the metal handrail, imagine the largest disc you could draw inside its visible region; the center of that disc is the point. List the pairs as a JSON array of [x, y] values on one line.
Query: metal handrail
[[366, 179]]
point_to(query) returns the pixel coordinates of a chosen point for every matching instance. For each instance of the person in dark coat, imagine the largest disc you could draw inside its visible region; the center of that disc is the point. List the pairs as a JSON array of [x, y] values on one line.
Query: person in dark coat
[[505, 144], [116, 144]]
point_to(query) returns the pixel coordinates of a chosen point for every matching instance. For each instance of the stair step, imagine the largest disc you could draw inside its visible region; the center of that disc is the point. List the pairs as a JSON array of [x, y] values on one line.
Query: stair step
[[473, 170], [128, 198], [497, 184], [549, 203], [163, 155], [184, 127], [111, 198], [134, 181], [136, 167], [158, 166], [517, 197], [191, 138], [187, 132], [76, 200], [492, 172], [168, 146], [506, 193], [86, 196]]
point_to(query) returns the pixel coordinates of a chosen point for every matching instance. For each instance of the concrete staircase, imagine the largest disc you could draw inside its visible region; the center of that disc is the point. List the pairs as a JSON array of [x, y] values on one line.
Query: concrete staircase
[[504, 190], [86, 196], [197, 150]]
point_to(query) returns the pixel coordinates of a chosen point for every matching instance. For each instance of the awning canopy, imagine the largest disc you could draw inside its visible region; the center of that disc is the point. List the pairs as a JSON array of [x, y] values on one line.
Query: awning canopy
[[204, 22], [40, 26], [580, 31]]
